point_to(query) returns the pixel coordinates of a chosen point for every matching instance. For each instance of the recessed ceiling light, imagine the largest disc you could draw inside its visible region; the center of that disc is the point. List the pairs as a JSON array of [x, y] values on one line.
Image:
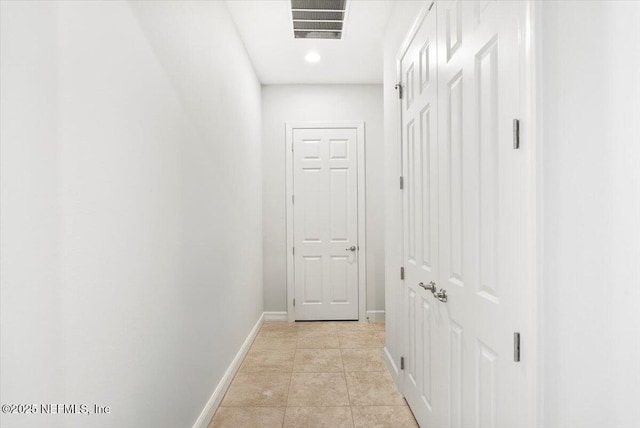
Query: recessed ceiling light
[[312, 57]]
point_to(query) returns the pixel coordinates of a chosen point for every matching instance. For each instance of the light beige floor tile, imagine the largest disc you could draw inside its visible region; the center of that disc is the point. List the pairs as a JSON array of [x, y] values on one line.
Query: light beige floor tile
[[255, 417], [258, 389], [383, 417], [361, 339], [268, 360], [318, 361], [363, 360], [278, 329], [373, 389], [318, 393], [349, 326], [318, 417], [380, 326], [319, 342], [279, 326], [278, 343], [281, 334], [315, 329], [318, 389]]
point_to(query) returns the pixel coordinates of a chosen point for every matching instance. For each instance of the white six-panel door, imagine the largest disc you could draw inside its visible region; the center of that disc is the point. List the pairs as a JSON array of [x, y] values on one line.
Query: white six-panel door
[[422, 314], [460, 75], [325, 217]]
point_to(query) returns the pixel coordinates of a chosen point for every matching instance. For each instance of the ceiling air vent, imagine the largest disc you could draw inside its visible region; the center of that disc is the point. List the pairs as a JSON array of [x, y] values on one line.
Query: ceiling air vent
[[318, 19]]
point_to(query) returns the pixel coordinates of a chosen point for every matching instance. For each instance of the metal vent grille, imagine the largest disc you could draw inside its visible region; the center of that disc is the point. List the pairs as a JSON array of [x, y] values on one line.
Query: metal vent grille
[[318, 19]]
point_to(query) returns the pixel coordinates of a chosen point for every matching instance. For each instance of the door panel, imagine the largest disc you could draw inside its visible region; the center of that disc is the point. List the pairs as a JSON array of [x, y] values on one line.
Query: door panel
[[420, 165], [339, 191], [312, 277], [480, 172], [325, 216], [460, 221]]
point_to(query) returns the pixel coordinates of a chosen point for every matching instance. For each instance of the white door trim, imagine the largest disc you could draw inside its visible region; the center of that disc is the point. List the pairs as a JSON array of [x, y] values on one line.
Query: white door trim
[[531, 268], [359, 126]]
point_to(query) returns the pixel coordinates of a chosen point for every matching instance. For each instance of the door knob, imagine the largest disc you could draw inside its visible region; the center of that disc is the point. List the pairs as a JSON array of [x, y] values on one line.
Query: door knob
[[429, 287], [351, 248], [441, 295]]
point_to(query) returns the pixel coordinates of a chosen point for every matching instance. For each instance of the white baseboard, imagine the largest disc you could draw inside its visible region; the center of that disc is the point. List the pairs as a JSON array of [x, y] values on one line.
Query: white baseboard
[[391, 365], [375, 316], [393, 370], [275, 316], [215, 399]]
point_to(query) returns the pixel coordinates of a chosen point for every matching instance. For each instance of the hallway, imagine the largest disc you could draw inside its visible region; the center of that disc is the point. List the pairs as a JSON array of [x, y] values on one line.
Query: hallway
[[314, 374], [192, 192]]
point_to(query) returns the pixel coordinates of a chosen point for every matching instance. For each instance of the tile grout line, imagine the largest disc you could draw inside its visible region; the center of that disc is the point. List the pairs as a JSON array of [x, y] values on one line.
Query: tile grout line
[[353, 419], [293, 363]]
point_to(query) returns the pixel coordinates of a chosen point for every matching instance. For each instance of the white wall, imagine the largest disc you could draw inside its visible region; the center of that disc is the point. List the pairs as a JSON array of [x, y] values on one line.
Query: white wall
[[590, 214], [402, 17], [289, 103], [31, 354], [131, 208]]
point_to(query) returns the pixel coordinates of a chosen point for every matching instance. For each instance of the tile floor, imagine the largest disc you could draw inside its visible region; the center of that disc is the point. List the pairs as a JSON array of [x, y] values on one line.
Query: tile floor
[[314, 374]]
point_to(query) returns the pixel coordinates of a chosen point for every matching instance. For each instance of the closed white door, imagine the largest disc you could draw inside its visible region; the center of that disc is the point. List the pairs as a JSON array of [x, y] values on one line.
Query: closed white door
[[422, 313], [463, 348], [325, 216]]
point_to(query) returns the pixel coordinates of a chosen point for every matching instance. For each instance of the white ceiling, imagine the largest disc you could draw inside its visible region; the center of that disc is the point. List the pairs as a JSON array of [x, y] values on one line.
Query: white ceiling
[[266, 29]]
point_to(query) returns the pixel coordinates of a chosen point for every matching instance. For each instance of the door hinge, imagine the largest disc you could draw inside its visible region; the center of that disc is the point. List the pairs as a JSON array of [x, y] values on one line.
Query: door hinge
[[399, 88], [516, 347], [401, 363], [294, 250], [293, 199], [401, 183], [402, 272], [516, 134], [294, 302]]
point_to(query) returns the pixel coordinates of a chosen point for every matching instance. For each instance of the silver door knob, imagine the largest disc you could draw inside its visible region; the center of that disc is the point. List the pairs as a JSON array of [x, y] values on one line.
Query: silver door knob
[[351, 248], [441, 295], [429, 287]]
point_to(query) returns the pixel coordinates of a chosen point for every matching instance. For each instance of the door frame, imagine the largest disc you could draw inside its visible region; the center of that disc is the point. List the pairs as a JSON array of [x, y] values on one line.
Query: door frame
[[531, 149], [359, 126]]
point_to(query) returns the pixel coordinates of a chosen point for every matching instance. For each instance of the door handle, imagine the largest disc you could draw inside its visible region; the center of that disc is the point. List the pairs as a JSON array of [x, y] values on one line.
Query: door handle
[[429, 287], [441, 295], [351, 248]]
